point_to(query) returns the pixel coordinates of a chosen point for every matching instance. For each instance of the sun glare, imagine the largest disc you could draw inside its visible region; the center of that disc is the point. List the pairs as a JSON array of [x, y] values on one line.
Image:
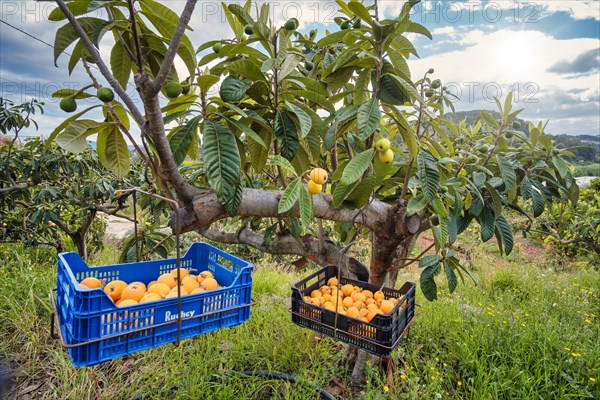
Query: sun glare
[[516, 57]]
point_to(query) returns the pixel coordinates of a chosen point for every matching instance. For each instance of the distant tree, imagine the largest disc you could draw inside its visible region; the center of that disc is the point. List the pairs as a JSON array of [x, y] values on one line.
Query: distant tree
[[48, 194]]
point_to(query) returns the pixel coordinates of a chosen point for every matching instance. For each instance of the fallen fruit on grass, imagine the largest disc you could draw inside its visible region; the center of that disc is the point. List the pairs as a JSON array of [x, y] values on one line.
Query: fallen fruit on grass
[[114, 288]]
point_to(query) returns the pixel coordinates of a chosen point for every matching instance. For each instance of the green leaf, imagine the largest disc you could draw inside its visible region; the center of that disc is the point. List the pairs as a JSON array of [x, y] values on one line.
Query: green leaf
[[361, 195], [508, 174], [303, 118], [538, 202], [115, 153], [286, 133], [221, 159], [341, 192], [361, 11], [247, 130], [289, 64], [66, 34], [232, 203], [452, 224], [248, 69], [407, 87], [416, 204], [357, 167], [429, 176], [62, 93], [428, 261], [205, 82], [487, 223], [74, 137], [505, 232], [369, 116], [489, 119], [120, 64], [165, 20], [428, 285], [233, 89], [451, 277], [181, 141], [283, 163], [560, 165], [64, 124], [76, 8], [306, 207], [290, 196]]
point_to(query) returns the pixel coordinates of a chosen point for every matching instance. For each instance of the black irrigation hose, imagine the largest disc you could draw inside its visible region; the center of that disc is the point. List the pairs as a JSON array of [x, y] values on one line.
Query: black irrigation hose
[[263, 374]]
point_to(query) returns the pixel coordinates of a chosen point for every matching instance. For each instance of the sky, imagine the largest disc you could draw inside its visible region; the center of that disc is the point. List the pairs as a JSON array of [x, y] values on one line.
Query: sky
[[546, 52]]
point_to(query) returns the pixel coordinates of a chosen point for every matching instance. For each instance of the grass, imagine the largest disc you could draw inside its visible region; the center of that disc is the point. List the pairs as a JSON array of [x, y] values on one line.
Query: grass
[[528, 330]]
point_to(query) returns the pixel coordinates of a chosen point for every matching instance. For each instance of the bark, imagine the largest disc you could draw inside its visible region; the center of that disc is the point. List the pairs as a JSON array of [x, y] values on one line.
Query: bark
[[206, 209], [307, 246], [155, 129]]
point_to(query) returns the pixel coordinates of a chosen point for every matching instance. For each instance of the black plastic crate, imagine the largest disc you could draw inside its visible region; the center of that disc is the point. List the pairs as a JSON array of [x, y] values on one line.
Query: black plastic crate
[[379, 337]]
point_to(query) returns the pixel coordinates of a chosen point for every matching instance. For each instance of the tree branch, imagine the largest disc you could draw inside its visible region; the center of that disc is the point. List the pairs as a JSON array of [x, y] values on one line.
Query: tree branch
[[307, 246], [206, 209], [186, 15], [16, 187], [137, 115]]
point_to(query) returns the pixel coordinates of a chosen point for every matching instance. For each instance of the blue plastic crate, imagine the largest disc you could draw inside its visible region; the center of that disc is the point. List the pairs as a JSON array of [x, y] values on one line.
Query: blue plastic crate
[[89, 315]]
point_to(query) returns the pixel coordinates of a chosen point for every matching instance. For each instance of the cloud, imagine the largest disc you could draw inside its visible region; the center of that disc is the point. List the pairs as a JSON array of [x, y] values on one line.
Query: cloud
[[584, 63], [490, 64], [577, 9]]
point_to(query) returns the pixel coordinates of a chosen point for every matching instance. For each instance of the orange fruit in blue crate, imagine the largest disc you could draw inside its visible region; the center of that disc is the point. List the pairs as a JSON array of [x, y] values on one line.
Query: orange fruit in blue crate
[[210, 284], [91, 283], [150, 297], [114, 289], [189, 284], [168, 279], [182, 272], [204, 275], [134, 291], [173, 292], [162, 289], [198, 290], [126, 302]]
